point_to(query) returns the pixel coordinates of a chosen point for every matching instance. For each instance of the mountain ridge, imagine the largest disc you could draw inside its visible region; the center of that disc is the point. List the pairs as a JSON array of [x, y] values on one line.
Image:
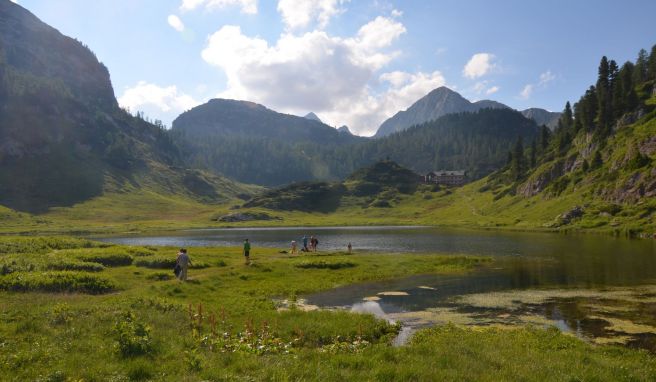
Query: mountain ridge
[[437, 103]]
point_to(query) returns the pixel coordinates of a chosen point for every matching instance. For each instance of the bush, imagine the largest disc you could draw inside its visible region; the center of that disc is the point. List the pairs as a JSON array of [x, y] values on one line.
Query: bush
[[132, 337], [57, 282], [325, 265], [75, 266], [20, 244], [140, 251], [166, 263], [108, 259]]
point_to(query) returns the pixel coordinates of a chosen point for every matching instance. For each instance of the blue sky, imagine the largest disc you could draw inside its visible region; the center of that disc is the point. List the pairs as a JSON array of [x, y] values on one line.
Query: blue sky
[[351, 62]]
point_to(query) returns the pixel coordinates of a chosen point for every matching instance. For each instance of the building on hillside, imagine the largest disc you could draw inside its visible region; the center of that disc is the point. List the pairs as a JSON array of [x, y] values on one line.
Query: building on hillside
[[447, 178]]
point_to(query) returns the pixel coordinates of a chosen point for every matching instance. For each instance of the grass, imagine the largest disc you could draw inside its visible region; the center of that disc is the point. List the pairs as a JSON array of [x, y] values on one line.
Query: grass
[[224, 324]]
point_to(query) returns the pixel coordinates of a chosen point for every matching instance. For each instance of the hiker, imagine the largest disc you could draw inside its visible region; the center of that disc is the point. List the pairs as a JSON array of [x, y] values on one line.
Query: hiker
[[349, 247], [305, 247], [293, 247], [247, 251], [182, 262], [313, 243]]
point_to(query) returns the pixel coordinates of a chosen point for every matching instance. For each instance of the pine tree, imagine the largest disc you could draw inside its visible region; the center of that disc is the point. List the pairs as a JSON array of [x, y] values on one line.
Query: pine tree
[[651, 64], [517, 163], [567, 117], [545, 134], [640, 72], [629, 98], [533, 153], [603, 98]]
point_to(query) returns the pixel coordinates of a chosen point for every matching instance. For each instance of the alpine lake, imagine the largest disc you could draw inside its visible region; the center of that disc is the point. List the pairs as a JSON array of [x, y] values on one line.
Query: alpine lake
[[598, 288]]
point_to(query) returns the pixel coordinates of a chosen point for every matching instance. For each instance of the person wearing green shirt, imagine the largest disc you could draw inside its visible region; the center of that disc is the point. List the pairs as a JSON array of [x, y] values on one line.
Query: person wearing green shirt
[[247, 251]]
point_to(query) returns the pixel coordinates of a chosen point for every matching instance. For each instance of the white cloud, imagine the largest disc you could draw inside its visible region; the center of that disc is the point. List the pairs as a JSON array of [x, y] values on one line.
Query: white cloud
[[546, 77], [543, 80], [301, 13], [318, 72], [492, 90], [176, 23], [246, 6], [396, 13], [479, 65], [165, 99]]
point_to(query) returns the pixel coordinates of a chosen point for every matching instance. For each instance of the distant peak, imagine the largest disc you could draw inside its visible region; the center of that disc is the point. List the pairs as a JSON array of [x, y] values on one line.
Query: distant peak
[[313, 117], [344, 129]]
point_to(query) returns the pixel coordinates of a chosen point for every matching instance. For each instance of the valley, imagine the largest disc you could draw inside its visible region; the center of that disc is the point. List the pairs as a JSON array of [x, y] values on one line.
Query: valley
[[464, 240]]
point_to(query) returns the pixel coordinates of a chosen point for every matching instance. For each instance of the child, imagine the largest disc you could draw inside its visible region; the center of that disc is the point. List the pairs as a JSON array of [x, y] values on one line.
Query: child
[[293, 247]]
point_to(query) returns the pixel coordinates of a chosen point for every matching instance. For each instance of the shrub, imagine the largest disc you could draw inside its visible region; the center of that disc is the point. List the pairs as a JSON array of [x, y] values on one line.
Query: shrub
[[140, 251], [325, 265], [132, 337], [57, 282], [166, 263], [20, 244], [74, 266], [108, 259]]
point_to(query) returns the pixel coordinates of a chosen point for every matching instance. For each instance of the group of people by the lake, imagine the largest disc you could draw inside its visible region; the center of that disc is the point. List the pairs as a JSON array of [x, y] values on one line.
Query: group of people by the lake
[[314, 243], [183, 261]]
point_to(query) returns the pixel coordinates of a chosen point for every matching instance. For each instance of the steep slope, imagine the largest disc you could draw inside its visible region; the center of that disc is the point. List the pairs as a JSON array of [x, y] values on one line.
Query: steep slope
[[62, 134], [598, 168], [542, 117]]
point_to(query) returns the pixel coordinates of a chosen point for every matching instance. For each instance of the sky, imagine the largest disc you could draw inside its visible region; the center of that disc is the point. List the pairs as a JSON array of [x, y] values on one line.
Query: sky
[[352, 62]]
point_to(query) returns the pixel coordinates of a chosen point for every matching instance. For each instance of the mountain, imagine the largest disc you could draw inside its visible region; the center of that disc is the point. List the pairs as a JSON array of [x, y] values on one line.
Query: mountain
[[344, 129], [443, 101], [477, 142], [225, 117], [542, 117], [63, 136], [253, 144], [435, 104], [312, 117]]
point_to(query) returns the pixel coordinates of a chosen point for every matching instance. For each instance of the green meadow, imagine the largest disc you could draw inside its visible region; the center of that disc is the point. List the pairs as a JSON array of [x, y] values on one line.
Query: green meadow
[[79, 310]]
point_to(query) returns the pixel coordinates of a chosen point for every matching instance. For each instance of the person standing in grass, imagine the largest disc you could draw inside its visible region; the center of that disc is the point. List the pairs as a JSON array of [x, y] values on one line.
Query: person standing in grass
[[305, 240], [293, 247], [183, 261], [247, 251]]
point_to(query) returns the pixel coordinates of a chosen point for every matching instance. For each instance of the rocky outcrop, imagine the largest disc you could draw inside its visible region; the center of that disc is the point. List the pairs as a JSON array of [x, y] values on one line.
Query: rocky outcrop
[[566, 217], [539, 182]]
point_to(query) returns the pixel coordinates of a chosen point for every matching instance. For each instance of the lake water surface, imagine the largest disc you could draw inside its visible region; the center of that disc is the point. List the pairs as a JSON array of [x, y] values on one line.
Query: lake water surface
[[600, 288]]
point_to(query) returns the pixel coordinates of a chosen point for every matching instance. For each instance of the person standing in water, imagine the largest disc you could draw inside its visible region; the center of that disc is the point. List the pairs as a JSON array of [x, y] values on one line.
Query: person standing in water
[[183, 261], [247, 251], [349, 247], [305, 240]]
